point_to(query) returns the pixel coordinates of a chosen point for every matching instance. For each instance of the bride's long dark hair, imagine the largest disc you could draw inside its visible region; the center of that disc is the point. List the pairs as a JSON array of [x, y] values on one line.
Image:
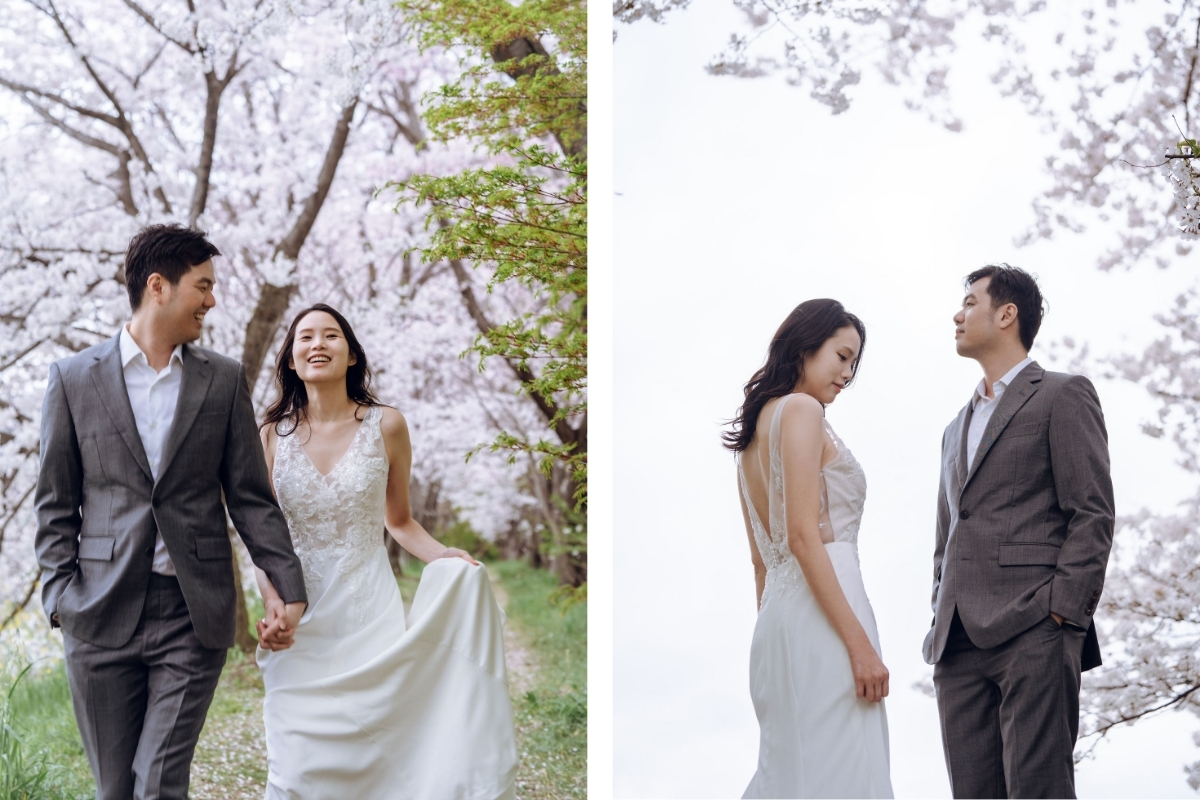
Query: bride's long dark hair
[[810, 325], [292, 406]]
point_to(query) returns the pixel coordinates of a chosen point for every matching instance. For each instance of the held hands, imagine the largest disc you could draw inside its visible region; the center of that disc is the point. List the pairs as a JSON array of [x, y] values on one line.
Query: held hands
[[276, 629], [870, 675], [454, 552]]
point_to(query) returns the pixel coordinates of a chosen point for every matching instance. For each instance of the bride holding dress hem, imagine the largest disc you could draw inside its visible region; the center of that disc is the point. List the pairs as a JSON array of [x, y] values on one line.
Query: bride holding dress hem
[[360, 702]]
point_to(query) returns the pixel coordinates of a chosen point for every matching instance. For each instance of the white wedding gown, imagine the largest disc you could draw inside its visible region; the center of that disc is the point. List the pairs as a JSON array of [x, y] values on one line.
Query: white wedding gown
[[359, 707], [817, 738]]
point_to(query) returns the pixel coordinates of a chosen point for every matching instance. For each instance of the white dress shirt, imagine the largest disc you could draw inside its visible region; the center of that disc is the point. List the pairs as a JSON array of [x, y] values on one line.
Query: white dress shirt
[[153, 397], [985, 407]]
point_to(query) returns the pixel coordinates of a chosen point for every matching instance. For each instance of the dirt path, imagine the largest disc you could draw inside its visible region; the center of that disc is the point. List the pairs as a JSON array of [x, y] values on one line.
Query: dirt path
[[231, 757]]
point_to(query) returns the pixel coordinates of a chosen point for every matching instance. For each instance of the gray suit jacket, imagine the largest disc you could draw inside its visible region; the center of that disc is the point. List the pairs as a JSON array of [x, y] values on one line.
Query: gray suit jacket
[[1026, 528], [98, 507]]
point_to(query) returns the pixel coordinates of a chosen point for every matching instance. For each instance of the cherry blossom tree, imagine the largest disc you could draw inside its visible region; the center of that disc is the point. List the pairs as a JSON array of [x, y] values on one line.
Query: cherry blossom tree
[[271, 125]]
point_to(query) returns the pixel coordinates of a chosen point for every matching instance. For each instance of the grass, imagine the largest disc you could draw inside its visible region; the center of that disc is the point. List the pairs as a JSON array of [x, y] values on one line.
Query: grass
[[550, 709], [40, 745], [42, 751]]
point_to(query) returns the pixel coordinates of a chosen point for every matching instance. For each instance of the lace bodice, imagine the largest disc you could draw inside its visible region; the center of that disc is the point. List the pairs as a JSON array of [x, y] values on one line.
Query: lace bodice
[[843, 494], [336, 520]]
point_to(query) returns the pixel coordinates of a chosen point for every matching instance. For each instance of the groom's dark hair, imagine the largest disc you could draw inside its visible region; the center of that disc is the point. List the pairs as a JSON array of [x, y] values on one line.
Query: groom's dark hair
[[1014, 285], [170, 250]]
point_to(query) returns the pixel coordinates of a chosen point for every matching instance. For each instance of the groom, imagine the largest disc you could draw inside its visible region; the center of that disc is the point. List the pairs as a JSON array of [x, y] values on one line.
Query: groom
[[140, 436], [1024, 528]]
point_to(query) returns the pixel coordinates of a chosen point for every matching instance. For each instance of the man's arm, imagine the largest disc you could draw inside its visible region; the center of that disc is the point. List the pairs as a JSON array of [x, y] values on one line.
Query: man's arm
[[1080, 465], [58, 496], [251, 502], [943, 528]]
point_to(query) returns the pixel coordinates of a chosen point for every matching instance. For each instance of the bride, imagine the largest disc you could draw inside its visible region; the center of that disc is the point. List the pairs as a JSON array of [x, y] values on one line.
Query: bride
[[816, 677], [360, 703]]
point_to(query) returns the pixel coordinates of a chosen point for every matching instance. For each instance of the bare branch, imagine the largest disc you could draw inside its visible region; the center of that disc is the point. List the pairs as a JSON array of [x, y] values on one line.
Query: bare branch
[[122, 122], [215, 88], [548, 408], [289, 248], [273, 301], [24, 601], [149, 19]]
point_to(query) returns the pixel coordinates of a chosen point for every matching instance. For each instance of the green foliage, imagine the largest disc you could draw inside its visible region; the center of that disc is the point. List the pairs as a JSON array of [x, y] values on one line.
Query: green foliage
[[23, 774], [547, 93], [571, 538], [525, 215], [41, 755], [551, 714], [464, 537]]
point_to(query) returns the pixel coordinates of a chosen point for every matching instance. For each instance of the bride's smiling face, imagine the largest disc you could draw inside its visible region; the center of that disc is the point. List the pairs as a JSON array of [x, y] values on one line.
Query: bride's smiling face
[[827, 371], [320, 352]]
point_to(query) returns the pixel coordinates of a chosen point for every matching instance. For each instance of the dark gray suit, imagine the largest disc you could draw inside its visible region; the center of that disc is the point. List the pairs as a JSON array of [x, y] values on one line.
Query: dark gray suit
[[1023, 531], [144, 651]]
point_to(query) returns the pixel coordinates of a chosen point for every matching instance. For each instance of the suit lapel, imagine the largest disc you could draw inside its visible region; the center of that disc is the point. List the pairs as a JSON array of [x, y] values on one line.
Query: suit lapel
[[1015, 396], [964, 424], [108, 376], [197, 375]]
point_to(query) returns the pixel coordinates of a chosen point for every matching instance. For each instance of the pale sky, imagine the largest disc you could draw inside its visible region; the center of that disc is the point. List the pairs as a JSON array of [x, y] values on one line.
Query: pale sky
[[736, 201]]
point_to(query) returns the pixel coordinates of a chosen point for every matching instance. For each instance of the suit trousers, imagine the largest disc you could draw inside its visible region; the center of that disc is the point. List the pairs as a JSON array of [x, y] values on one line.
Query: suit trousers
[[1010, 714], [140, 707]]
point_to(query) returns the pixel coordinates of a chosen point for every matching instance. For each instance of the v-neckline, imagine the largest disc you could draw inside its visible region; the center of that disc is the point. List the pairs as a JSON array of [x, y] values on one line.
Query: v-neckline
[[353, 440]]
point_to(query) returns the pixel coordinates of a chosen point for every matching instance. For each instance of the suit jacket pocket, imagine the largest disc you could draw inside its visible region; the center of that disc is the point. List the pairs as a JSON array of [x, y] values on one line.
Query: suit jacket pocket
[[97, 548], [1021, 554], [1024, 429], [212, 548]]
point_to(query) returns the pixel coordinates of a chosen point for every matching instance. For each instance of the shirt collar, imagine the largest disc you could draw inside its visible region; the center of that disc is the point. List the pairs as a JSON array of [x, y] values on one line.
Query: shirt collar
[[999, 386], [130, 350]]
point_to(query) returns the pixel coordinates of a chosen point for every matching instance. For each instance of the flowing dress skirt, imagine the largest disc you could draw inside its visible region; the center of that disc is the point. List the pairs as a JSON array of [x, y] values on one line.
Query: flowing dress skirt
[[361, 707]]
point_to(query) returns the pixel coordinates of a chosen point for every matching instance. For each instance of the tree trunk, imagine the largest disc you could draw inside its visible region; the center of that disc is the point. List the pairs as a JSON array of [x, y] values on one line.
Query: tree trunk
[[268, 314]]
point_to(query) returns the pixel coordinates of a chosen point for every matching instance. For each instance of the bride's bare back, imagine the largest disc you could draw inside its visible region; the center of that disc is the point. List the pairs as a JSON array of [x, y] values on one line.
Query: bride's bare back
[[756, 465]]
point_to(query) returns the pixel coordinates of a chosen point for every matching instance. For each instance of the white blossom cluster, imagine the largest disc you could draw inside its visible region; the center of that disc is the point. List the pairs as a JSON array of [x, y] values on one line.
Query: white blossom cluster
[[1150, 610], [628, 11], [1182, 176], [1106, 77]]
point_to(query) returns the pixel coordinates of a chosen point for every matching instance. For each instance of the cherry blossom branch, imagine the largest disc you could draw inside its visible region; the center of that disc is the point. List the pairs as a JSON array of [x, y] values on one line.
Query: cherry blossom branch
[[149, 19], [120, 120]]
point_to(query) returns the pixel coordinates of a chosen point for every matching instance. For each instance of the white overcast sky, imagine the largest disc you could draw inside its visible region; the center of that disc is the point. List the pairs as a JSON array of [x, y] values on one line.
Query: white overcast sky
[[736, 200]]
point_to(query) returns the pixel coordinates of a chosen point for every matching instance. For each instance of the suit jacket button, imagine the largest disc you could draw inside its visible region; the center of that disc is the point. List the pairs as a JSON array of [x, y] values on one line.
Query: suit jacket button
[[964, 514], [149, 551]]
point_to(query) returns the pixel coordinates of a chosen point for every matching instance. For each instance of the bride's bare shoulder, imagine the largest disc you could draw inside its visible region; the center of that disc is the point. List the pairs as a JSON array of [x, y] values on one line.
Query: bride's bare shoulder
[[392, 423], [801, 410]]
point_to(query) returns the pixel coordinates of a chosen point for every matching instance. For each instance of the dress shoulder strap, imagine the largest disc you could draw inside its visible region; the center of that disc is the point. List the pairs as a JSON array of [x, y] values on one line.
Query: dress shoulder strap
[[373, 424], [773, 436]]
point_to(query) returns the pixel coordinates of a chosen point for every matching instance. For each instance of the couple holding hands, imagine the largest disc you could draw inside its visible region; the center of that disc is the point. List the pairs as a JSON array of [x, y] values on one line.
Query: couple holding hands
[[147, 441]]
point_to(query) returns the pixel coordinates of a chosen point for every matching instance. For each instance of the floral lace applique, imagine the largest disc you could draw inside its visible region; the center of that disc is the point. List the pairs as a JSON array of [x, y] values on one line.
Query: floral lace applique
[[336, 520]]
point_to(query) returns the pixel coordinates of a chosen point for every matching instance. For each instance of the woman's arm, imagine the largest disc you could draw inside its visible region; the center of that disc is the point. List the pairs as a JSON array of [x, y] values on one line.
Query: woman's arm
[[760, 569], [803, 443], [275, 630], [399, 520]]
